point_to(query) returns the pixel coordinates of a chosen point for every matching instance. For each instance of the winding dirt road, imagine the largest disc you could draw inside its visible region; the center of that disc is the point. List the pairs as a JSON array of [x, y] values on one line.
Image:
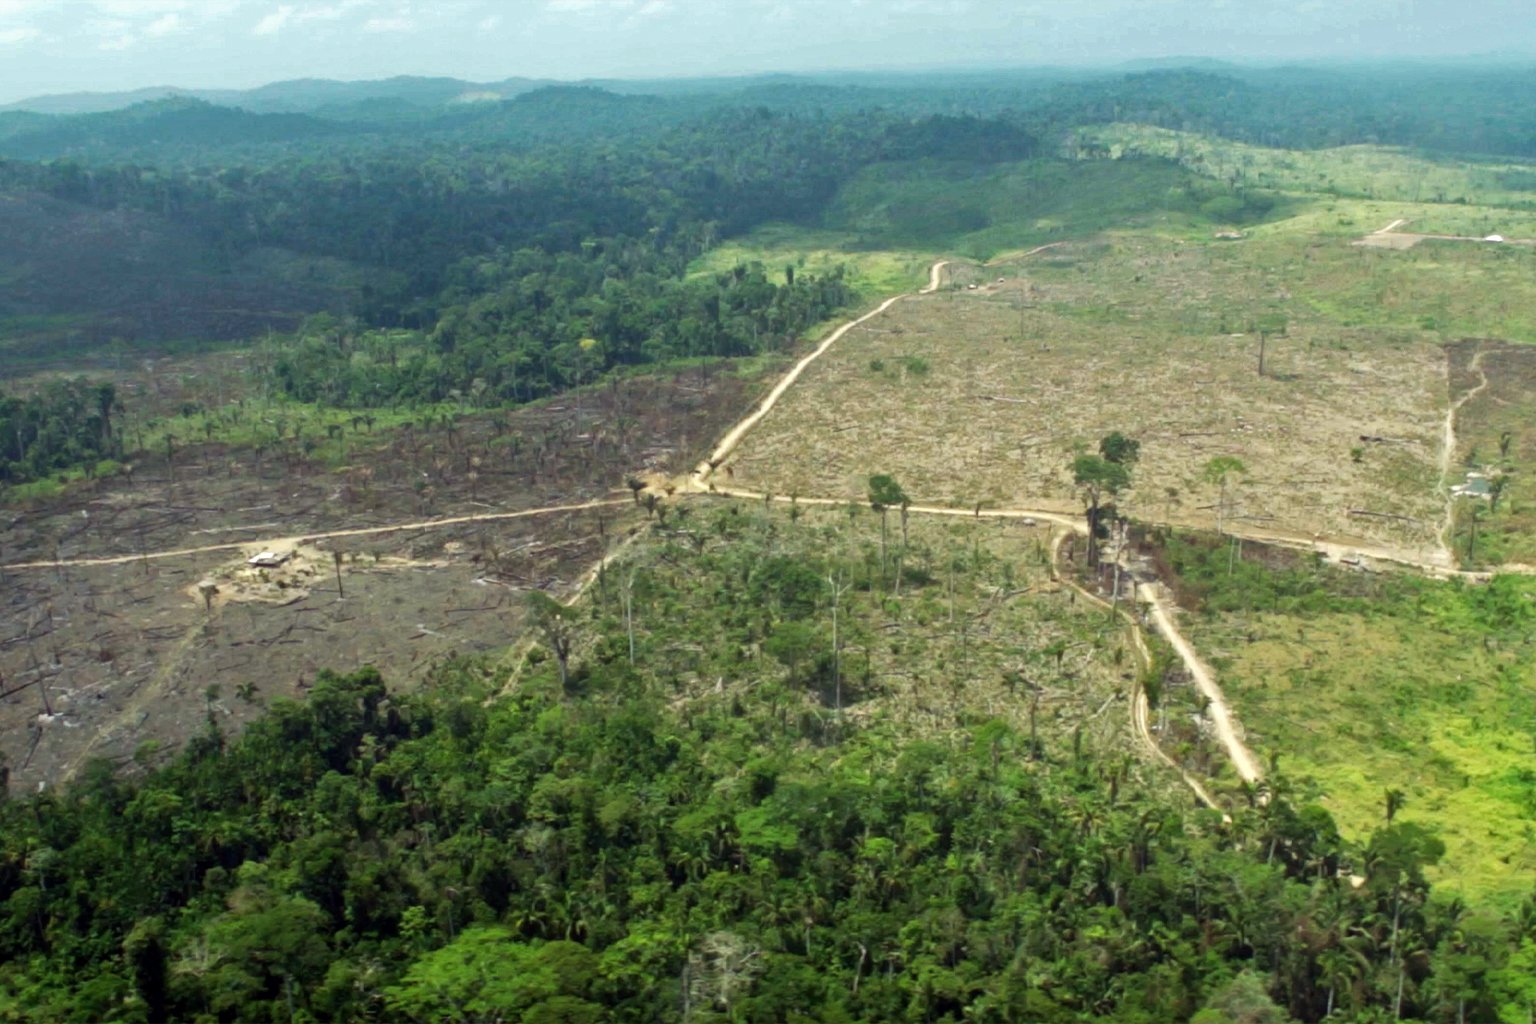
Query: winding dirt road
[[1141, 708]]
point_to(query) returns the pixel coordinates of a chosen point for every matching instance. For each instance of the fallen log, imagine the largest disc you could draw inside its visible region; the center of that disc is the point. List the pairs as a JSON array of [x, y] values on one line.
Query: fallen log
[[1363, 513]]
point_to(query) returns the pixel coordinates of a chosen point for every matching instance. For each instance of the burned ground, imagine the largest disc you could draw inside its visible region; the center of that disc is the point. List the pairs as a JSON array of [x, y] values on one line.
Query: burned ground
[[109, 650]]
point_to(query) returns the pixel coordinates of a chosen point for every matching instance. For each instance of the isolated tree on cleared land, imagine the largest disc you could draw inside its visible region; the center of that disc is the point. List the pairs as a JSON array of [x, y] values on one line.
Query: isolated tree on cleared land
[[885, 494], [1116, 447], [557, 624], [1101, 476], [1220, 471]]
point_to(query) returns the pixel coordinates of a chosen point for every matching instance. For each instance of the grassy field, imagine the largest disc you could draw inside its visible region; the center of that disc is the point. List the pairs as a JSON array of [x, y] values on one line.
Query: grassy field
[[1361, 684], [1379, 172], [980, 213], [871, 272], [894, 219]]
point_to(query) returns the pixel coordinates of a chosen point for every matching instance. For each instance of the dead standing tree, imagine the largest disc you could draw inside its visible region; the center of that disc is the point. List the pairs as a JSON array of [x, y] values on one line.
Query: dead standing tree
[[556, 623]]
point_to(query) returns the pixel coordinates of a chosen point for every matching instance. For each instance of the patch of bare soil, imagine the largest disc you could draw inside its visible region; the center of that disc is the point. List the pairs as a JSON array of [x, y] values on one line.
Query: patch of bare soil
[[97, 660]]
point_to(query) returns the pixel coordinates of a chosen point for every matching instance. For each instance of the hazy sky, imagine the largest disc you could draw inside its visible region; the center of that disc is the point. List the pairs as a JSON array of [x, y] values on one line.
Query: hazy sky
[[68, 45]]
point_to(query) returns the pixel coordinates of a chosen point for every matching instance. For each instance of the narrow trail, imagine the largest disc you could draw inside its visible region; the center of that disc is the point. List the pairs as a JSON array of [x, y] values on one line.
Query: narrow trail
[[1448, 453], [1141, 708], [305, 538], [142, 698]]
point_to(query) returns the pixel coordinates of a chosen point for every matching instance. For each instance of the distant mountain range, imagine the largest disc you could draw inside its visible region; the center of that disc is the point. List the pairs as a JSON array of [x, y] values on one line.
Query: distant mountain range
[[299, 96], [335, 98], [344, 99], [391, 96]]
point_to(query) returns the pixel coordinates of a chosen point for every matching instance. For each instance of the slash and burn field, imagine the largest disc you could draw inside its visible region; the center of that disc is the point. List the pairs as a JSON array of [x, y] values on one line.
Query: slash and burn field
[[132, 654]]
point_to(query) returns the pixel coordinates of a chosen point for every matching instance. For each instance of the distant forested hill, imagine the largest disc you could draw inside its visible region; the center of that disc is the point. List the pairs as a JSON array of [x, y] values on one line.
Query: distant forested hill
[[207, 221], [283, 215]]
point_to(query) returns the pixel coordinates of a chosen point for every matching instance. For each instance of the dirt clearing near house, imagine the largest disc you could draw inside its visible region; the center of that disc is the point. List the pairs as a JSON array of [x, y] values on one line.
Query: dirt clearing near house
[[120, 644]]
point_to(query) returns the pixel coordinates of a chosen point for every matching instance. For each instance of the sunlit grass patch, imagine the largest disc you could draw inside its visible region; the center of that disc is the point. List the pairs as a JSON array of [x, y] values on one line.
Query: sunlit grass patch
[[1411, 685], [871, 272]]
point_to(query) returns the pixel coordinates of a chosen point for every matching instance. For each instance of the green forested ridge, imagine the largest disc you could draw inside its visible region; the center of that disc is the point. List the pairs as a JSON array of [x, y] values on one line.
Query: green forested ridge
[[401, 200], [376, 231], [646, 844]]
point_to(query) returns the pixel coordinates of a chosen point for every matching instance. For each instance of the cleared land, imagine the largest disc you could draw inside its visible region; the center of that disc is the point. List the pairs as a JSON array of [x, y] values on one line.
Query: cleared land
[[99, 659], [985, 396]]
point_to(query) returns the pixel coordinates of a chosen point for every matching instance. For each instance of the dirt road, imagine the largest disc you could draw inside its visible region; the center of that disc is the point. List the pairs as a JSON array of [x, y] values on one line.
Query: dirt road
[[1141, 708], [1220, 714], [1448, 453], [275, 543], [1390, 238], [701, 473]]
